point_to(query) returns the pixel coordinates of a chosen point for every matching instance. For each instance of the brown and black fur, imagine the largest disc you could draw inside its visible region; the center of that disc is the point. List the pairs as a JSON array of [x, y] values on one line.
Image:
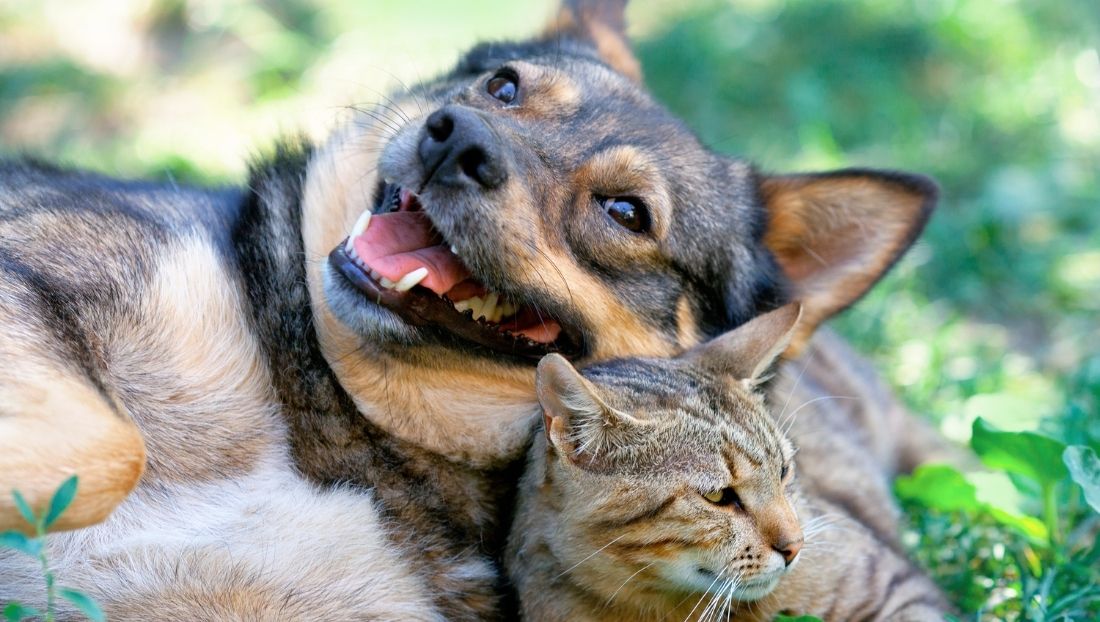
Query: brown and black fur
[[163, 341], [613, 522]]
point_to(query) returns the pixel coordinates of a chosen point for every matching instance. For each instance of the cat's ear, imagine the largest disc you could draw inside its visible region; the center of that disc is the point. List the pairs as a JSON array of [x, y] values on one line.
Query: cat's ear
[[601, 24], [835, 234], [578, 422], [747, 351]]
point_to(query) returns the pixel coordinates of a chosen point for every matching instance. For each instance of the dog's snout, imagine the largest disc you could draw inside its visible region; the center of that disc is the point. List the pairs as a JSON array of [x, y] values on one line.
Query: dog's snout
[[459, 148]]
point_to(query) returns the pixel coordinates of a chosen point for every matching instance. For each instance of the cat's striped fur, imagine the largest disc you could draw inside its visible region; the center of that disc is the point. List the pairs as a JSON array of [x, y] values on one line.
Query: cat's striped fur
[[621, 514]]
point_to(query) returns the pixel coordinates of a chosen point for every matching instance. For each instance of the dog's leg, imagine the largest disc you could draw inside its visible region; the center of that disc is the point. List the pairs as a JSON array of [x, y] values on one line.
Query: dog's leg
[[55, 422]]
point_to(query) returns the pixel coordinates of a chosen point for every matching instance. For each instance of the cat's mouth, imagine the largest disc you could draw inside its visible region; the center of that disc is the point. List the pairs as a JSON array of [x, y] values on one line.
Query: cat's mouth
[[399, 260]]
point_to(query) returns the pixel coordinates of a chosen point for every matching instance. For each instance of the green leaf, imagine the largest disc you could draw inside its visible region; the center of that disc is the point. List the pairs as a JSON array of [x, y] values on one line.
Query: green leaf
[[86, 605], [21, 543], [15, 612], [942, 487], [1025, 453], [24, 508], [61, 499], [939, 487], [783, 618], [1084, 468]]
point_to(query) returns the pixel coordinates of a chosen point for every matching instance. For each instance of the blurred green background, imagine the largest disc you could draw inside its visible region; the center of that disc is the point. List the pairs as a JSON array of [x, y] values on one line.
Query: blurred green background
[[993, 314]]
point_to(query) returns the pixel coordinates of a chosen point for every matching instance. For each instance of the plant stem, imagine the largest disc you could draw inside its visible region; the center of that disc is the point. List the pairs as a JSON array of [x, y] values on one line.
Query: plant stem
[[1050, 516], [50, 596]]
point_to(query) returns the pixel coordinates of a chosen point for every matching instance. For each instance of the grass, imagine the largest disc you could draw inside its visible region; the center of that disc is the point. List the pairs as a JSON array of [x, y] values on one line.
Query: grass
[[991, 318]]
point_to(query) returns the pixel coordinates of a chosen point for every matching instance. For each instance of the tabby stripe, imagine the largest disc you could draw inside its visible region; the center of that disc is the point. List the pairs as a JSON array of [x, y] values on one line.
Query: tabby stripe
[[647, 514]]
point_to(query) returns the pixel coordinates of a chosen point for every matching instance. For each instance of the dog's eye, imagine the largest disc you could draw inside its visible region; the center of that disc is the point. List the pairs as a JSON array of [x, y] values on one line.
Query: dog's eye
[[503, 86], [785, 472], [724, 497], [627, 212]]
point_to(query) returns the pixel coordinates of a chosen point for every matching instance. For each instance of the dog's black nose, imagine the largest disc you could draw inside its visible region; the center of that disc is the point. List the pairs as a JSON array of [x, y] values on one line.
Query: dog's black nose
[[459, 147]]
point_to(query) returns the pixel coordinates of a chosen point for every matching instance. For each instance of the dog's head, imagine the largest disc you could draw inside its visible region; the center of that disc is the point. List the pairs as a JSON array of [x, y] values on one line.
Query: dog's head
[[536, 199]]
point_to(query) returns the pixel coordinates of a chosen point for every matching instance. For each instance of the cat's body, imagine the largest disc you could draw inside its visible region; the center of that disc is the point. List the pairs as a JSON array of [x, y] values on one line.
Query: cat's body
[[630, 534]]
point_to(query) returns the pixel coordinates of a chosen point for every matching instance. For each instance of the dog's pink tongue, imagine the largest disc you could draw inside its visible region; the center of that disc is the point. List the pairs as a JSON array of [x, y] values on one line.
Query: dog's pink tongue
[[398, 243]]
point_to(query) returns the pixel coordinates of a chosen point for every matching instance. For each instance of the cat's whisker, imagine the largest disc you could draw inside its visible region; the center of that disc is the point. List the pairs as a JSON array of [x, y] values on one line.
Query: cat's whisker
[[794, 389], [636, 573], [712, 607], [593, 554], [794, 412], [700, 601]]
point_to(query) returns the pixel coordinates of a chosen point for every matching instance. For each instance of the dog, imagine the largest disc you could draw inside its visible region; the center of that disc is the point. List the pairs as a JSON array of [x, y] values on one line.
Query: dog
[[306, 397]]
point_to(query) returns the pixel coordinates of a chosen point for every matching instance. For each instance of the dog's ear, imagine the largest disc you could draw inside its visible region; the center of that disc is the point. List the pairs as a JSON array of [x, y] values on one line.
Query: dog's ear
[[601, 23], [746, 352], [578, 423], [835, 234]]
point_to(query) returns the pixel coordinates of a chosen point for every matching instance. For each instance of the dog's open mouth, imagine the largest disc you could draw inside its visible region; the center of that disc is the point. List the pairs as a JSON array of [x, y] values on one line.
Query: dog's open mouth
[[398, 259]]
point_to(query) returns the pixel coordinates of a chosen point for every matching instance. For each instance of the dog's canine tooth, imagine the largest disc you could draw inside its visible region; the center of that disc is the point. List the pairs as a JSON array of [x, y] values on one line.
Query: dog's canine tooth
[[410, 280], [361, 224], [461, 305], [454, 251]]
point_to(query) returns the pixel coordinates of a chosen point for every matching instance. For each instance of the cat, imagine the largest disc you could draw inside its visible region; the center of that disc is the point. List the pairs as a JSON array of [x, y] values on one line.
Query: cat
[[666, 489]]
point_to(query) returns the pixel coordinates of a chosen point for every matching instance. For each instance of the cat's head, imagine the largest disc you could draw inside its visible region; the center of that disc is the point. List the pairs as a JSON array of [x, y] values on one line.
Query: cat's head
[[669, 475]]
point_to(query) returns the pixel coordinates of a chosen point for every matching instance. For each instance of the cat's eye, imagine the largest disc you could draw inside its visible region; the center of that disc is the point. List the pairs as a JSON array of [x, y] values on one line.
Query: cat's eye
[[503, 86], [725, 497], [628, 212]]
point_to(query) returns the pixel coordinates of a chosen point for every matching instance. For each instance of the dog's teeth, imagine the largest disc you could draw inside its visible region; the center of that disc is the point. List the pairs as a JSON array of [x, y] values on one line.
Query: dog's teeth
[[507, 309], [454, 251], [356, 231], [384, 282], [411, 279], [361, 224], [490, 308], [462, 305], [474, 304], [374, 274]]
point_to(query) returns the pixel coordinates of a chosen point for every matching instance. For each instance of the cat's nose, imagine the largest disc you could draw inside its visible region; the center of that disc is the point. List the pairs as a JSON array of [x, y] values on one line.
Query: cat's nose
[[459, 148], [789, 549]]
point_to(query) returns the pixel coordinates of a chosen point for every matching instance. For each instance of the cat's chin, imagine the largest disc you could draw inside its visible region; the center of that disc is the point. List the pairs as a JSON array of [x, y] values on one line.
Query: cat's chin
[[755, 590]]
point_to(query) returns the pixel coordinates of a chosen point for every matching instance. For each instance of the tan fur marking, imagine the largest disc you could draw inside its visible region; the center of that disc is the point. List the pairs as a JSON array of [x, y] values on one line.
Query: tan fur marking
[[834, 237], [627, 171], [190, 363], [550, 92], [53, 426], [686, 324], [611, 45]]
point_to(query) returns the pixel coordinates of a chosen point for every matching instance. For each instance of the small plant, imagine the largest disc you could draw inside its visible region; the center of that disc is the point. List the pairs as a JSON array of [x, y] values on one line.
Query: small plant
[[1003, 565], [36, 547]]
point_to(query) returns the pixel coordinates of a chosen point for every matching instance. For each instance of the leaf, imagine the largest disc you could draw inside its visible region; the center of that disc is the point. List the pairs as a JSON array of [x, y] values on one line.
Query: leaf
[[783, 618], [1025, 453], [85, 604], [939, 487], [24, 508], [61, 500], [1084, 468], [15, 612], [942, 487], [21, 543]]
